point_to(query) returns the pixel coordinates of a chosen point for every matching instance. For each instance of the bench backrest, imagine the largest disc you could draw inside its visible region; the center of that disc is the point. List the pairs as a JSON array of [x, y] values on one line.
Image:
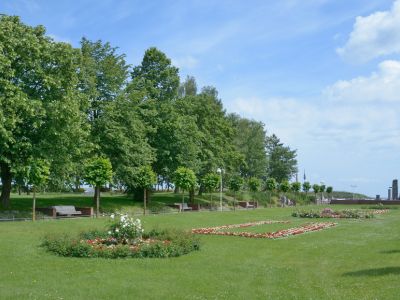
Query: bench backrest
[[65, 209], [185, 206]]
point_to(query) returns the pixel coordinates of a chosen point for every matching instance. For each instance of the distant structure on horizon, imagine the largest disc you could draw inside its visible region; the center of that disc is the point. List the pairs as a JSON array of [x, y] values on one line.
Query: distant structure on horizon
[[395, 189]]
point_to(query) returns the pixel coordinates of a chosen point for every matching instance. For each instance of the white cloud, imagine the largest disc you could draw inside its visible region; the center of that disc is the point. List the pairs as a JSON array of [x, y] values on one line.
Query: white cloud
[[373, 36], [381, 86], [185, 62], [363, 112]]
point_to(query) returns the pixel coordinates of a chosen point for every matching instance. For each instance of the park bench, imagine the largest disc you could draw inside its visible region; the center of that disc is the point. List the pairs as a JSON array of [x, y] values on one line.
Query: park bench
[[248, 204], [182, 206], [66, 211]]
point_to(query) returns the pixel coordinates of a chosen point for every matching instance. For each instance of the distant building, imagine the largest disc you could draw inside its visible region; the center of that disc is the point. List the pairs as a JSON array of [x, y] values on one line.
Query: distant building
[[395, 190]]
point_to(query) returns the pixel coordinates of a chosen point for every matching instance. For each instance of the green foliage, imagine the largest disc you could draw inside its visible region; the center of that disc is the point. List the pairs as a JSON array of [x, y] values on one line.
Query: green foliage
[[271, 184], [284, 186], [41, 106], [98, 171], [156, 76], [316, 188], [322, 188], [184, 178], [295, 187], [235, 183], [282, 163], [210, 182], [38, 172], [254, 184], [146, 177], [250, 142], [329, 190], [306, 187]]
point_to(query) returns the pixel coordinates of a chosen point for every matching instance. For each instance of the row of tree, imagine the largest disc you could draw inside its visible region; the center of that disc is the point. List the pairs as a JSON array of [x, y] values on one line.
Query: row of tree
[[66, 105]]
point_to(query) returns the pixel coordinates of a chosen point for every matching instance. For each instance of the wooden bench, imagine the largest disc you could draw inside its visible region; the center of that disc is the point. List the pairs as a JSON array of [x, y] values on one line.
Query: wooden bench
[[248, 204], [66, 211], [182, 206]]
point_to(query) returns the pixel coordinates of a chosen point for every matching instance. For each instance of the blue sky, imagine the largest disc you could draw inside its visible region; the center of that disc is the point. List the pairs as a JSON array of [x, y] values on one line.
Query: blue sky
[[324, 75]]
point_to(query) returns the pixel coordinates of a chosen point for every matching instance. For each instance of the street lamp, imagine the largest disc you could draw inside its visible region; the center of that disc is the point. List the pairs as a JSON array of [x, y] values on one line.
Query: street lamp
[[220, 171]]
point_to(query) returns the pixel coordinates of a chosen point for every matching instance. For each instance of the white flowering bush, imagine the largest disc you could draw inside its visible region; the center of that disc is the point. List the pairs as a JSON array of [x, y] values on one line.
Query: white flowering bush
[[125, 229]]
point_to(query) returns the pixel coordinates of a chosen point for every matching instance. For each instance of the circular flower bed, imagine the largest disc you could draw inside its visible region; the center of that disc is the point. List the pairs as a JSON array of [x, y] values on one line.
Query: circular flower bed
[[269, 235], [125, 237]]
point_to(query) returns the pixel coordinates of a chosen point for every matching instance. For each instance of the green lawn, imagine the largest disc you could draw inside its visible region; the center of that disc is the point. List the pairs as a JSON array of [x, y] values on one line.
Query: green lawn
[[358, 259]]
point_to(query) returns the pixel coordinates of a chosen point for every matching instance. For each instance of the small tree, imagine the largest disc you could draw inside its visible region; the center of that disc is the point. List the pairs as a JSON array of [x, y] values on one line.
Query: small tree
[[270, 186], [235, 184], [210, 183], [185, 179], [38, 173], [146, 178], [295, 187], [329, 190], [284, 187], [306, 187], [315, 188], [98, 171], [254, 186], [322, 188]]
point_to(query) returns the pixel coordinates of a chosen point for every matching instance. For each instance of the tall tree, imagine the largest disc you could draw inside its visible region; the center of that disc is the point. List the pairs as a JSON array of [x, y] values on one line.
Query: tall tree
[[250, 141], [40, 103], [215, 130], [188, 87], [156, 76], [103, 75], [123, 138], [282, 163]]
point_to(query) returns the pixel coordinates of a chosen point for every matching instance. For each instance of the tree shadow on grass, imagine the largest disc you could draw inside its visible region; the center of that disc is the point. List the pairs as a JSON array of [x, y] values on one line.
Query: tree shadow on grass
[[375, 272], [390, 251]]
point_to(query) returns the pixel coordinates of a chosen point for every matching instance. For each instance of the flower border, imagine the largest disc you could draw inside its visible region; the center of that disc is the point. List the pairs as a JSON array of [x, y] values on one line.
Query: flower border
[[267, 235]]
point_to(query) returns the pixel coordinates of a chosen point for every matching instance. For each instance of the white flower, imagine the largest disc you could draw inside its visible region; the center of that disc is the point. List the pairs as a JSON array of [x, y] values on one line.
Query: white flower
[[109, 232], [112, 216], [117, 230]]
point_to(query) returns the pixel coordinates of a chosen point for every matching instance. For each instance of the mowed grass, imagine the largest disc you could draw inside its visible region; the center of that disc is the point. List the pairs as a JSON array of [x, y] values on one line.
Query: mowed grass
[[358, 259]]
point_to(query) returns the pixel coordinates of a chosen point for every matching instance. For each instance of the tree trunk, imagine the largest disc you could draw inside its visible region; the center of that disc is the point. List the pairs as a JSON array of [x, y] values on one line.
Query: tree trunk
[[201, 190], [234, 201], [34, 204], [97, 195], [6, 181], [183, 199], [144, 201], [19, 190], [191, 196]]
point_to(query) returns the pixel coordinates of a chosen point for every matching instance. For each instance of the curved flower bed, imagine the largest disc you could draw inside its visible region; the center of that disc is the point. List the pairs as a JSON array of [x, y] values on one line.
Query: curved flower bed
[[268, 235]]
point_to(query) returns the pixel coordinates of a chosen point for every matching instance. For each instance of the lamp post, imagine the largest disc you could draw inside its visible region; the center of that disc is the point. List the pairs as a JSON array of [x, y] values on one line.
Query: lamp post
[[220, 171]]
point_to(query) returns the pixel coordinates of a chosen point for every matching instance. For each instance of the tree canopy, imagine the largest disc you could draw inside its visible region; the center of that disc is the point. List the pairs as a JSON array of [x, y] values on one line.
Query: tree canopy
[[64, 104]]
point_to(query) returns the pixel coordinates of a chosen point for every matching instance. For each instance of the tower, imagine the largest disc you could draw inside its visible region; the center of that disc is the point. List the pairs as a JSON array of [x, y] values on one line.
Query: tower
[[395, 190]]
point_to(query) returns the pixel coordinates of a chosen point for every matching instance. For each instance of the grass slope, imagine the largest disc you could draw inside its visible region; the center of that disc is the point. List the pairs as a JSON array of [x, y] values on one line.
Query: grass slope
[[359, 259]]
